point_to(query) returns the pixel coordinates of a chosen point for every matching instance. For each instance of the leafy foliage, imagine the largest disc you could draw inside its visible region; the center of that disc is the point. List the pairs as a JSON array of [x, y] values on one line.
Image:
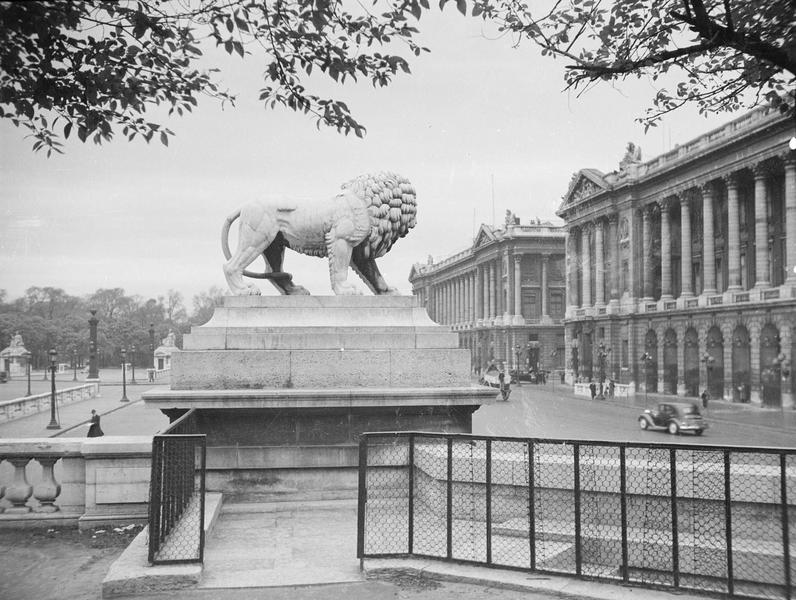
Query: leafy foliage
[[48, 317], [724, 55], [89, 67]]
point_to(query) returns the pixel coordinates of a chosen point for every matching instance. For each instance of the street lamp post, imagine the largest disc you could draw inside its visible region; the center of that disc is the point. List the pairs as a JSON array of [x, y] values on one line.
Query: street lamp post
[[132, 363], [602, 354], [93, 365], [646, 359], [152, 352], [53, 366], [124, 377], [74, 365], [554, 356], [517, 350], [27, 356]]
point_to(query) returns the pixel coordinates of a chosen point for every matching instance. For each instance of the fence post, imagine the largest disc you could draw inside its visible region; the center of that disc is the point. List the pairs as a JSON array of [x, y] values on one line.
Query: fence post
[[675, 536], [785, 528], [203, 463], [531, 507], [362, 498], [411, 532], [449, 507], [576, 488], [488, 502], [728, 522], [623, 507]]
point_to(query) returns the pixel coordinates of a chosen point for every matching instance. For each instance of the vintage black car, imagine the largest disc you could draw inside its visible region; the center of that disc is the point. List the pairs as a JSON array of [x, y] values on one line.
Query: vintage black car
[[674, 417]]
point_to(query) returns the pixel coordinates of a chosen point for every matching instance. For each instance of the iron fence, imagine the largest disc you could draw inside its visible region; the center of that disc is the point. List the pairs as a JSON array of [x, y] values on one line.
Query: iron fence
[[177, 493], [702, 518]]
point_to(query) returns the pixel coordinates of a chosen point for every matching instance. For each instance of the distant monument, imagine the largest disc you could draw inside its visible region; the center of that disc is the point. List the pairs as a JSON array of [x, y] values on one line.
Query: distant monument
[[13, 359], [164, 352], [354, 228], [284, 385]]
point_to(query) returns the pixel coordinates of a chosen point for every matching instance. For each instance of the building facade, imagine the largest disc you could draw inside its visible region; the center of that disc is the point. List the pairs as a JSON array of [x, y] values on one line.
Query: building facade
[[681, 270], [505, 295]]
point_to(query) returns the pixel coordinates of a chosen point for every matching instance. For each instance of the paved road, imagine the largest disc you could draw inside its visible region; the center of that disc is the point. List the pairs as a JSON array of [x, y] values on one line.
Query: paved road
[[544, 411]]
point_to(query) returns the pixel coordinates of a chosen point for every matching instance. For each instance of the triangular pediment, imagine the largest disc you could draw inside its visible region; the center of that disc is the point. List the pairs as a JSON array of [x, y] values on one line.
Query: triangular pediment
[[584, 183], [414, 273], [484, 236]]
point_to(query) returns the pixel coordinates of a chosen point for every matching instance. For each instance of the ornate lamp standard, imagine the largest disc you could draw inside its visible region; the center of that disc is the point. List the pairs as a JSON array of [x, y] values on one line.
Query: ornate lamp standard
[[517, 350], [132, 363], [646, 359], [124, 377], [602, 354], [74, 365], [554, 356], [27, 356], [53, 366], [708, 360], [152, 352], [93, 367]]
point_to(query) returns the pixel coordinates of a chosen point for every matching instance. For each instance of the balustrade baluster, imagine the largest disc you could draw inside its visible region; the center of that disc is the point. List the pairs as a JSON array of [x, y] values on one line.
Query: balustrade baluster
[[48, 489], [20, 490], [2, 487]]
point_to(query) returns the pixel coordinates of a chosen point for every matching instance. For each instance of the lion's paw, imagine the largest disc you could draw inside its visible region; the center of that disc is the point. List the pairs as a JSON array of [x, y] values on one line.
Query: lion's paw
[[298, 290], [252, 290], [347, 289], [391, 291]]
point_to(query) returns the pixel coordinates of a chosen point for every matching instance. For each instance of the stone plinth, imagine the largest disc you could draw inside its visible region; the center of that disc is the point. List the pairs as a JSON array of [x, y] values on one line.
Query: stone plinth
[[284, 385]]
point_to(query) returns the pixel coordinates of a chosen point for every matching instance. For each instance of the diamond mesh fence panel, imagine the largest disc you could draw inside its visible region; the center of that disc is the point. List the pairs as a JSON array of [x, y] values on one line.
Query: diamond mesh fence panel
[[652, 515], [176, 510], [554, 507], [430, 496], [702, 536], [510, 504], [387, 503], [601, 512], [649, 516], [756, 519]]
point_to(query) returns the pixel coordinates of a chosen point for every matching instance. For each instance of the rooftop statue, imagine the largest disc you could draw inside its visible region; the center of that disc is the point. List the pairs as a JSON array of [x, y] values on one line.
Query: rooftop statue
[[353, 228]]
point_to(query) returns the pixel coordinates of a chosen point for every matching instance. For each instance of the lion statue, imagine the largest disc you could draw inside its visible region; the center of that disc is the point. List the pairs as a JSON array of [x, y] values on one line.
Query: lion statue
[[357, 226]]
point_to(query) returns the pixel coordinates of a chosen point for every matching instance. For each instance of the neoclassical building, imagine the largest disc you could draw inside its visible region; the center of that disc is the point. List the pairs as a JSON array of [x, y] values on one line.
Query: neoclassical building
[[681, 270], [505, 295]]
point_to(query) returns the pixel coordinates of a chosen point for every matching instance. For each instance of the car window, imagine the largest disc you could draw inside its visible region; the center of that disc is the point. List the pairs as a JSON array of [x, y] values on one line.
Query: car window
[[690, 410]]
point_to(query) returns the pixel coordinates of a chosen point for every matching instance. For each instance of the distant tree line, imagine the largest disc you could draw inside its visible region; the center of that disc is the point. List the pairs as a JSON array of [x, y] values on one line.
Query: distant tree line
[[49, 317]]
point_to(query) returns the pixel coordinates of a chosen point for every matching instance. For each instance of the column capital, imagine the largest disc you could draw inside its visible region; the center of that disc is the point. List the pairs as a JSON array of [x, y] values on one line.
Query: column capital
[[517, 259], [731, 180], [545, 258], [666, 203], [613, 218], [648, 211], [789, 158], [761, 170], [707, 188]]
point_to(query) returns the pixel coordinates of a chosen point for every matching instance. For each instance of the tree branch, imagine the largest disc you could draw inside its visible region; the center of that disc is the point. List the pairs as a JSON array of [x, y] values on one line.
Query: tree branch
[[632, 65]]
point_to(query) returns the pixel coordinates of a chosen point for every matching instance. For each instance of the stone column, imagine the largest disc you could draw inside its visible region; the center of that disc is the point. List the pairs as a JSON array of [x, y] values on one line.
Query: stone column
[[492, 289], [459, 300], [585, 248], [468, 308], [687, 285], [733, 233], [761, 228], [708, 240], [569, 262], [666, 249], [545, 261], [790, 217], [599, 272], [646, 249], [613, 245], [485, 292], [518, 318], [474, 296], [511, 297], [479, 297]]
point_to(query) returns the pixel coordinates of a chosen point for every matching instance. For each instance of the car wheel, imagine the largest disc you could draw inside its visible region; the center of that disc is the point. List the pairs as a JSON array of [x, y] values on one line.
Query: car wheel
[[698, 431], [642, 422], [673, 428]]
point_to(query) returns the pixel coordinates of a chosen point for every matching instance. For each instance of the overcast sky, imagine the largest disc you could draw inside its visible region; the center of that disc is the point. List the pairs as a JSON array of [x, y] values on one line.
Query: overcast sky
[[475, 110]]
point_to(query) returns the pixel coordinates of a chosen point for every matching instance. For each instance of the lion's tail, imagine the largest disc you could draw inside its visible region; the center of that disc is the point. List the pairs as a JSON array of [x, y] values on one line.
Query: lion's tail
[[225, 233]]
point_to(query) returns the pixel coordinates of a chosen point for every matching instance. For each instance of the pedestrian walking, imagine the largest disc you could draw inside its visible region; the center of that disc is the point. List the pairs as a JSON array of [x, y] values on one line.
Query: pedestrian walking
[[94, 429], [505, 388], [704, 397], [593, 390], [610, 388]]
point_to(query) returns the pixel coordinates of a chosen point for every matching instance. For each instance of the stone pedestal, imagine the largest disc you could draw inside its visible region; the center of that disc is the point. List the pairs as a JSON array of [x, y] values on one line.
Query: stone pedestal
[[284, 385]]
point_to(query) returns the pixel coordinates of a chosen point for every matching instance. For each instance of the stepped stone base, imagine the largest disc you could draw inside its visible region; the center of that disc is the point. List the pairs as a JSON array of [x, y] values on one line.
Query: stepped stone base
[[284, 385]]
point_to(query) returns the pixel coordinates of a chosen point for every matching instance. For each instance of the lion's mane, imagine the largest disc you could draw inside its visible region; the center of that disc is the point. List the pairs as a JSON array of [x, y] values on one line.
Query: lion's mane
[[390, 200]]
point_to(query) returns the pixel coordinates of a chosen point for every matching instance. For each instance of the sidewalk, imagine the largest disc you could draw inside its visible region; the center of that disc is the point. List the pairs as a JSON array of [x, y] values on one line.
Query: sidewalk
[[117, 418]]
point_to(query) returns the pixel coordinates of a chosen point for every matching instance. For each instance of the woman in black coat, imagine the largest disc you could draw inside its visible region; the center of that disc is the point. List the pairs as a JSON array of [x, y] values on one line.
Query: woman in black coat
[[94, 429]]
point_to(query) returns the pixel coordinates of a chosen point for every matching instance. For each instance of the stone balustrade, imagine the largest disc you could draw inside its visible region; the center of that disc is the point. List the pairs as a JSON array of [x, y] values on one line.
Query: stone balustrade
[[74, 481], [21, 407], [158, 374], [621, 390]]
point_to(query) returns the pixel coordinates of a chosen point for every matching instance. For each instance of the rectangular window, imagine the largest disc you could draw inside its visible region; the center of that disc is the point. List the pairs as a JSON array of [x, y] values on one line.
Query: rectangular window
[[624, 354], [556, 305], [530, 309]]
